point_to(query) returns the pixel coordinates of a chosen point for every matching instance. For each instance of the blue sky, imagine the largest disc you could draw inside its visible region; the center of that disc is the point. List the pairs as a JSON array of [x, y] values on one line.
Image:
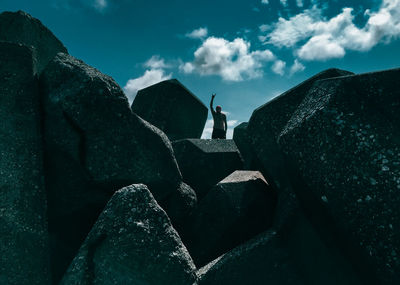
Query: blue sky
[[245, 51]]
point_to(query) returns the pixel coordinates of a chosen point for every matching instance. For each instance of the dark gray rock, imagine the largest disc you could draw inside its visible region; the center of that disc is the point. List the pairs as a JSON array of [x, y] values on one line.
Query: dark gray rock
[[180, 204], [343, 146], [265, 125], [236, 209], [243, 142], [20, 27], [94, 146], [132, 242], [171, 107], [24, 249], [262, 260], [204, 163]]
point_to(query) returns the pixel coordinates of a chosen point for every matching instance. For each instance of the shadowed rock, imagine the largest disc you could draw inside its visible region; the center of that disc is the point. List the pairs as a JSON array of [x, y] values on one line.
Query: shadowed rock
[[24, 249], [265, 125], [205, 162], [20, 27], [343, 144], [235, 210], [132, 242], [243, 142], [94, 146], [170, 106]]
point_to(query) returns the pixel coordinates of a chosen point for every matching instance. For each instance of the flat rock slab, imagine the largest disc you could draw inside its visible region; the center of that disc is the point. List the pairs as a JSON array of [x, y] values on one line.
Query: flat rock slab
[[24, 250], [94, 146], [20, 27], [132, 242], [236, 209], [203, 163], [343, 142], [262, 260], [171, 107]]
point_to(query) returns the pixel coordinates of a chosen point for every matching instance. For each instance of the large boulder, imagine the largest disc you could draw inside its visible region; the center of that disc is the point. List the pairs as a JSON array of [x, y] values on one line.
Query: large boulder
[[94, 146], [170, 106], [265, 125], [243, 142], [343, 147], [132, 242], [20, 27], [24, 250], [236, 209], [204, 163]]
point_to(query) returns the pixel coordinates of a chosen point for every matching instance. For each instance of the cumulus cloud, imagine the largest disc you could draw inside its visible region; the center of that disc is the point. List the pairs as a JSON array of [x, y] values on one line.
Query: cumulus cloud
[[154, 74], [279, 67], [199, 33], [284, 3], [207, 132], [296, 67], [299, 3], [232, 60], [265, 2], [321, 39]]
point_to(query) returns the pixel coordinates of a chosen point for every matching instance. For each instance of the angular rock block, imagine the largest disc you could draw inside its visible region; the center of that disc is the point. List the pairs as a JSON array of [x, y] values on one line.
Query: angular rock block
[[243, 142], [24, 248], [203, 163], [265, 125], [132, 242], [261, 260], [20, 27], [343, 146], [171, 107], [180, 204], [94, 146], [236, 209]]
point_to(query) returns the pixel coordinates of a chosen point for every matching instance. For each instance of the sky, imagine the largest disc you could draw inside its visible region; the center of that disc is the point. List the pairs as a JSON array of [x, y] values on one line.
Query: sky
[[246, 51]]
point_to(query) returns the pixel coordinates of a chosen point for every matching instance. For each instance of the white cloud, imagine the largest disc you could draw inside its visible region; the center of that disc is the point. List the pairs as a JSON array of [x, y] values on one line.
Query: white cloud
[[199, 33], [263, 28], [100, 4], [299, 3], [232, 60], [284, 3], [296, 67], [151, 76], [279, 67], [321, 39], [207, 132], [266, 2]]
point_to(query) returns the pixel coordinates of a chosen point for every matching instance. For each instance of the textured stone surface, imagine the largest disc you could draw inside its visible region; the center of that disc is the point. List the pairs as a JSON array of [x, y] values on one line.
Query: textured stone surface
[[204, 163], [170, 106], [20, 27], [236, 209], [262, 260], [243, 143], [265, 125], [132, 242], [94, 146], [343, 142], [24, 252]]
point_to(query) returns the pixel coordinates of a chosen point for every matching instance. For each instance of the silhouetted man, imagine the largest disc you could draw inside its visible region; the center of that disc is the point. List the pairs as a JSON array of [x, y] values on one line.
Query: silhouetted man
[[220, 125]]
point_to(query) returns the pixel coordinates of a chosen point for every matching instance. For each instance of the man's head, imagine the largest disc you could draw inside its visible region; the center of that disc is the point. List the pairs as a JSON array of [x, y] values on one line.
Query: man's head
[[218, 109]]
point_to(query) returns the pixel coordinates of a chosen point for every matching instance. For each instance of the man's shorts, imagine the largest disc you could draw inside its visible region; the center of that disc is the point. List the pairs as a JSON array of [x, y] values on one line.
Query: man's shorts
[[218, 134]]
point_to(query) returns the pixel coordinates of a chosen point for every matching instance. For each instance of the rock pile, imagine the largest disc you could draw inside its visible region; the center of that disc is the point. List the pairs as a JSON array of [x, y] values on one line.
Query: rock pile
[[93, 193]]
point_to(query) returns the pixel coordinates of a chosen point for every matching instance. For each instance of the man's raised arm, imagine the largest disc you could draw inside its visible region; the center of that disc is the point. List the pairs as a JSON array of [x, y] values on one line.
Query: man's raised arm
[[211, 104]]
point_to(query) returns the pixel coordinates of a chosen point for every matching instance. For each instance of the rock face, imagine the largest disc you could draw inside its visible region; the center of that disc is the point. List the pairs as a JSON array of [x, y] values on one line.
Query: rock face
[[236, 209], [343, 144], [171, 107], [265, 125], [243, 141], [20, 27], [262, 260], [132, 242], [94, 146], [205, 162], [24, 257]]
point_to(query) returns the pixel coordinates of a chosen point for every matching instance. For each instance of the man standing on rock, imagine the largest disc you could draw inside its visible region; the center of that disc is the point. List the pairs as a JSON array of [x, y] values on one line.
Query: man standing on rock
[[220, 125]]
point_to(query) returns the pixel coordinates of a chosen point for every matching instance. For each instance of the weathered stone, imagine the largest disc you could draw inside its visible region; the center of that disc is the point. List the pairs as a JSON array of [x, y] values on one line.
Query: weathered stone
[[243, 143], [265, 125], [262, 260], [24, 249], [94, 146], [171, 107], [20, 27], [132, 242], [180, 204], [343, 145], [236, 209], [205, 162]]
